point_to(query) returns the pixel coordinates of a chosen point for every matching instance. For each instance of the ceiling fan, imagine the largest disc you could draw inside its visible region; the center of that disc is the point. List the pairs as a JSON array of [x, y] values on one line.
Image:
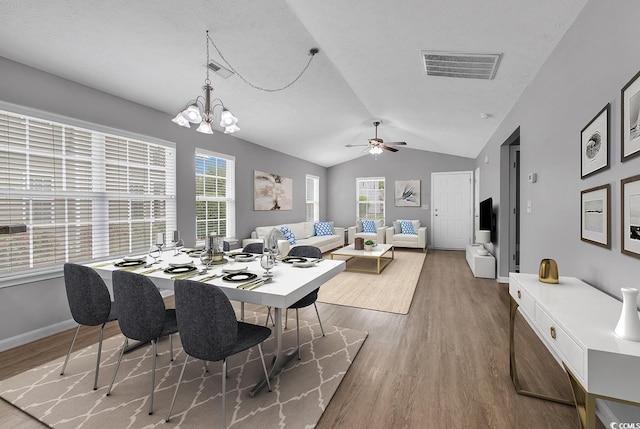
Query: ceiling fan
[[376, 145]]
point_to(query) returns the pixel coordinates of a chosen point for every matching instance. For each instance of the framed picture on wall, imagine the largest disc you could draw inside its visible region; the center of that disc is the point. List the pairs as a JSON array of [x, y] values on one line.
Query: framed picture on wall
[[594, 144], [272, 191], [407, 193], [630, 191], [595, 224], [630, 99]]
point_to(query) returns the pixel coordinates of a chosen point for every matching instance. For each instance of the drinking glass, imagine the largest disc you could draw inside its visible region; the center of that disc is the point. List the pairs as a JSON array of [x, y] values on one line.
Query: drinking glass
[[267, 261], [154, 253]]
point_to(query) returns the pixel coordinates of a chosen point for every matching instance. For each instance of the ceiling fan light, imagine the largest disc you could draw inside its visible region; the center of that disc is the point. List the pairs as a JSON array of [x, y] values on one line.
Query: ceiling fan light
[[231, 129], [192, 114], [181, 120], [227, 119], [205, 128]]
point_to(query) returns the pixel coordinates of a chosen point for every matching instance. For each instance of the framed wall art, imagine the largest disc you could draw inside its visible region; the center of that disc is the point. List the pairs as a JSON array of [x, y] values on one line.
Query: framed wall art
[[272, 191], [630, 222], [630, 98], [595, 224], [407, 193], [594, 144]]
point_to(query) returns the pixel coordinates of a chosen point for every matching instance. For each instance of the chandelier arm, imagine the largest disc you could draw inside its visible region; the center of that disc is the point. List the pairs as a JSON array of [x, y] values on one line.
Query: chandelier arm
[[312, 53]]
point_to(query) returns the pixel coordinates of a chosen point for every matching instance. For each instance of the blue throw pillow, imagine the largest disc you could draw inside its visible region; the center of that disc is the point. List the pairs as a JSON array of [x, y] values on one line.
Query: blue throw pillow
[[369, 226], [406, 227], [289, 235], [323, 228]]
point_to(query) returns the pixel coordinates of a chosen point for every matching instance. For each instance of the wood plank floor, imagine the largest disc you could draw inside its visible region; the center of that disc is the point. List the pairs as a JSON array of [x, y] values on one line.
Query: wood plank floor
[[444, 365]]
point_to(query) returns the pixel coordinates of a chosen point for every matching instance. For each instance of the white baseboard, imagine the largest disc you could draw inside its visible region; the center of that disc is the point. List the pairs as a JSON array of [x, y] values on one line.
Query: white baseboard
[[502, 279], [37, 334]]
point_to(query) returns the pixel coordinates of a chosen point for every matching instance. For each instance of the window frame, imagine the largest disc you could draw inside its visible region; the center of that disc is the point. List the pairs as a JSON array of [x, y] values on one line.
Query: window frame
[[379, 202], [62, 197], [229, 199], [315, 198]]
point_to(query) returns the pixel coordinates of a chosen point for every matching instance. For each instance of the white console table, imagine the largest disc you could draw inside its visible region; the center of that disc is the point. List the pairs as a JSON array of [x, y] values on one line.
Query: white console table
[[481, 265], [575, 321]]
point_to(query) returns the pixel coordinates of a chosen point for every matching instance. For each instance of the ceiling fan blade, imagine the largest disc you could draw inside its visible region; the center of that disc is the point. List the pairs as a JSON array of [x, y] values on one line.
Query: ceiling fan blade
[[390, 149], [396, 143], [354, 145]]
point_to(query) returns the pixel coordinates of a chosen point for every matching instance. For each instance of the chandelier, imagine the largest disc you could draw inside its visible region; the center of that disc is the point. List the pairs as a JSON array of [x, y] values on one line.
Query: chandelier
[[201, 110]]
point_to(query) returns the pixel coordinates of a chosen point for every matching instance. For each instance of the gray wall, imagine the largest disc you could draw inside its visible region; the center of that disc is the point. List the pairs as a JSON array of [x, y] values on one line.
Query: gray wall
[[406, 164], [586, 71], [36, 305]]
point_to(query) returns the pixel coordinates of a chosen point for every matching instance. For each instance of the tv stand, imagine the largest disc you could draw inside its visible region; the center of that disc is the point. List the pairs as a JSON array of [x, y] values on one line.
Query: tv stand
[[481, 266]]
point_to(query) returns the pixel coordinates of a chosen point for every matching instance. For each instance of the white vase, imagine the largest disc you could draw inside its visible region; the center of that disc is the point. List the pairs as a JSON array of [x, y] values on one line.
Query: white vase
[[283, 247], [629, 324]]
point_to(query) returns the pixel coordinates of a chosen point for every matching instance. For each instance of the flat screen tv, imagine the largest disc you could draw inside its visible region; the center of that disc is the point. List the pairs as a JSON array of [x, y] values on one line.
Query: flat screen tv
[[486, 217]]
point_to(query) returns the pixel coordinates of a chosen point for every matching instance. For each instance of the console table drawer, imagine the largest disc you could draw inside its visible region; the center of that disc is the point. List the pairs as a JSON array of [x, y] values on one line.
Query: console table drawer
[[570, 352], [524, 300]]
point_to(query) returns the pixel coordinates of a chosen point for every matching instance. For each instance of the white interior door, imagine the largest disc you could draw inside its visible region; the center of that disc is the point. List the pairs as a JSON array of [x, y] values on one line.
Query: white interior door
[[452, 214]]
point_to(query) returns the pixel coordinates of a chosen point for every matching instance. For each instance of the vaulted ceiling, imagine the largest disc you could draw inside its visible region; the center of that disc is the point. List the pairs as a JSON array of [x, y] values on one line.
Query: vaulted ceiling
[[369, 67]]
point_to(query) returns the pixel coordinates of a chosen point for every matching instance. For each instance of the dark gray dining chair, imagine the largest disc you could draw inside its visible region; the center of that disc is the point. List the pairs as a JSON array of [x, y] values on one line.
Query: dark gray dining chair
[[142, 316], [254, 248], [311, 298], [90, 305], [209, 330]]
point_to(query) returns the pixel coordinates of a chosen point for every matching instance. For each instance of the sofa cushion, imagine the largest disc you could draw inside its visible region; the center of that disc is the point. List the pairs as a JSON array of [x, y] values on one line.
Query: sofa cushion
[[323, 228], [289, 235], [369, 226], [406, 227]]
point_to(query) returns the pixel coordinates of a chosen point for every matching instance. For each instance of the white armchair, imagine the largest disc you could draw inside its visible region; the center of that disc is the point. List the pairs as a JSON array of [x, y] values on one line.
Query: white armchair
[[398, 239], [356, 231]]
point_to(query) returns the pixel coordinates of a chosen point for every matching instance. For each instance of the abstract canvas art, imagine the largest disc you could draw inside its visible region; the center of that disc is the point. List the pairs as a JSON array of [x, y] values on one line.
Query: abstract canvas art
[[272, 191], [407, 193]]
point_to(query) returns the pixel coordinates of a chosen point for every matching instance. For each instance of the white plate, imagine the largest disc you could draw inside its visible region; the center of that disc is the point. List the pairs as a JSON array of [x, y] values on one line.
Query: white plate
[[234, 269], [245, 258], [304, 264]]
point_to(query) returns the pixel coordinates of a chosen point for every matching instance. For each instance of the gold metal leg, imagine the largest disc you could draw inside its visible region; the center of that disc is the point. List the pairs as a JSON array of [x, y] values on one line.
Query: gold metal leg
[[513, 371], [585, 402]]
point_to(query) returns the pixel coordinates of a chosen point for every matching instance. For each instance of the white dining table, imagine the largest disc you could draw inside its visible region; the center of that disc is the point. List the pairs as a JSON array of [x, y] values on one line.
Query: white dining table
[[290, 284]]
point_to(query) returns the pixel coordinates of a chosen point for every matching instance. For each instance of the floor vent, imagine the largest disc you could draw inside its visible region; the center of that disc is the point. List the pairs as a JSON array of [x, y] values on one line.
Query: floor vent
[[461, 64], [219, 70]]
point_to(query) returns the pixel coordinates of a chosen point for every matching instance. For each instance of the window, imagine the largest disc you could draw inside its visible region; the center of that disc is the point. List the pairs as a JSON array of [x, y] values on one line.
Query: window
[[82, 193], [370, 198], [215, 194], [313, 198]]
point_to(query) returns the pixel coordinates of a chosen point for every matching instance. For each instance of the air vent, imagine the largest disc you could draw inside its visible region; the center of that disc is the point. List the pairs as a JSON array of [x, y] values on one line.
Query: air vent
[[219, 70], [460, 64]]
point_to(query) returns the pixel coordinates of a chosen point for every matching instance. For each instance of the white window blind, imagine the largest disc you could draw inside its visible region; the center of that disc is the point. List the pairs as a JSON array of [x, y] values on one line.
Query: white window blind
[[83, 194], [313, 198], [370, 194], [215, 194]]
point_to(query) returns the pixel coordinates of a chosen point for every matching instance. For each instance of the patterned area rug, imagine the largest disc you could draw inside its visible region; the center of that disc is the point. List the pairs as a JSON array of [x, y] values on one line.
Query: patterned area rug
[[391, 291], [300, 393]]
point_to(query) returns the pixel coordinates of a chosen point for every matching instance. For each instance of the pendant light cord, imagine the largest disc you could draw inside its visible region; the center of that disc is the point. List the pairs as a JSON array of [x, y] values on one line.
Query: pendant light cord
[[312, 53]]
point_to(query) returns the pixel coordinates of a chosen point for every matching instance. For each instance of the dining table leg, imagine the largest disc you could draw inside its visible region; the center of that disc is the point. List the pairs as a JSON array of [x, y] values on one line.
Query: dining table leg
[[280, 356]]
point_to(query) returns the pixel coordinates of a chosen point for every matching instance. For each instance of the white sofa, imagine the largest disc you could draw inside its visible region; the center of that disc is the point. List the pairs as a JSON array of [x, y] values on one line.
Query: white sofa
[[356, 231], [305, 235], [419, 240]]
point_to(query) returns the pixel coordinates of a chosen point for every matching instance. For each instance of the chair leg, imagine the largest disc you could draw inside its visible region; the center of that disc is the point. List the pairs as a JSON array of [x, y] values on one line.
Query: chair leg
[[175, 394], [153, 374], [95, 380], [124, 346], [206, 366], [269, 315], [242, 311], [264, 366], [224, 392], [298, 334], [171, 345], [69, 352], [319, 321]]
